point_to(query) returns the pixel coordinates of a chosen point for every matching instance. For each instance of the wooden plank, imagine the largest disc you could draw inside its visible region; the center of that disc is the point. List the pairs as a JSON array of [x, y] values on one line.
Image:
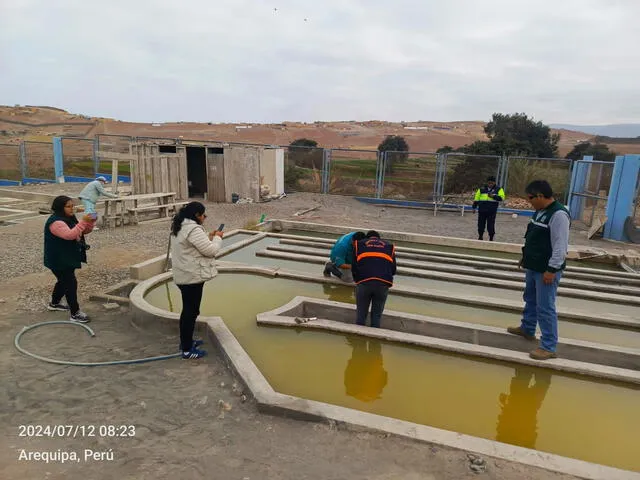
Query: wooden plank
[[215, 178], [150, 208], [148, 163], [172, 169], [133, 169], [183, 186], [598, 223], [114, 175], [114, 156], [164, 174], [141, 171]]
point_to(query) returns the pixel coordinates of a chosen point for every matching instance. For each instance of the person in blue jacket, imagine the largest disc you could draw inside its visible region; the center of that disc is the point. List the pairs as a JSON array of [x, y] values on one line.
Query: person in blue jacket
[[341, 257], [91, 192]]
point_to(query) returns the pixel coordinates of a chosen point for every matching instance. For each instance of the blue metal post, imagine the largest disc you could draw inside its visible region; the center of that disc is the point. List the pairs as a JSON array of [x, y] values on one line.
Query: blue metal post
[[620, 201], [58, 159], [579, 177]]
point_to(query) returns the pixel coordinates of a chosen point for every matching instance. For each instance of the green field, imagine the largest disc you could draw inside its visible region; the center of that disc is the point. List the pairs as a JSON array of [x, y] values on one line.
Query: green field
[[84, 168]]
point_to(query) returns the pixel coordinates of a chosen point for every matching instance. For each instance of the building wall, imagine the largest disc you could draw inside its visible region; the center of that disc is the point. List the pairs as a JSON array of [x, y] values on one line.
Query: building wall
[[242, 172], [272, 170]]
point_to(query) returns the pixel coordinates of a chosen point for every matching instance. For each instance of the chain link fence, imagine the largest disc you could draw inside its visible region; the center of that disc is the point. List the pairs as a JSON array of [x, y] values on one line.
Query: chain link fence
[[39, 162], [112, 144], [410, 176], [10, 167], [304, 169], [462, 174], [354, 172], [520, 171], [78, 157]]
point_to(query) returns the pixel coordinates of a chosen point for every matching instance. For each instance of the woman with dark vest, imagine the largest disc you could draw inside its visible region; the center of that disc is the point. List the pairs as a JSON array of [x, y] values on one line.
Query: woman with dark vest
[[64, 252], [373, 269], [543, 258]]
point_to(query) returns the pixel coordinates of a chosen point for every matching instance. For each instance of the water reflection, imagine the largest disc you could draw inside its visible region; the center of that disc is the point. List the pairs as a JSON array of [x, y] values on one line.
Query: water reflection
[[338, 293], [365, 376], [518, 419]]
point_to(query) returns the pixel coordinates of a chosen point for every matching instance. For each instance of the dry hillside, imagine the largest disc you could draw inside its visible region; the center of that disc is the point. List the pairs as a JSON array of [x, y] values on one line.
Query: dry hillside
[[41, 123]]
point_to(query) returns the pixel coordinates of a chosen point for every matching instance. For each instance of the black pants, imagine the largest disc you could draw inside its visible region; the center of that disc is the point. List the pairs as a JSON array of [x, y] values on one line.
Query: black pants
[[66, 286], [372, 293], [191, 298], [488, 218]]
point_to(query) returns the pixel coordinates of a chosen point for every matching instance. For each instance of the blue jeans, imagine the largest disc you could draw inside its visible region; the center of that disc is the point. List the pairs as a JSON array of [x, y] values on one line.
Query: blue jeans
[[372, 293], [89, 206], [540, 309]]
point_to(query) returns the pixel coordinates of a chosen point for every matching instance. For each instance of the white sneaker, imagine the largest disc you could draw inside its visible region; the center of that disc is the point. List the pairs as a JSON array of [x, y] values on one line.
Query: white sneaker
[[80, 317]]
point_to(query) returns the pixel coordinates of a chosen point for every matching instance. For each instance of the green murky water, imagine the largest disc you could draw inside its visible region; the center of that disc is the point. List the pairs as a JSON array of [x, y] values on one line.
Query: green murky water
[[248, 255], [523, 406]]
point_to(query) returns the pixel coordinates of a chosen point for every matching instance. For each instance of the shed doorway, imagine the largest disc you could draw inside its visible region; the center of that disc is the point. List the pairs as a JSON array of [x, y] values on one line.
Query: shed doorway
[[197, 171]]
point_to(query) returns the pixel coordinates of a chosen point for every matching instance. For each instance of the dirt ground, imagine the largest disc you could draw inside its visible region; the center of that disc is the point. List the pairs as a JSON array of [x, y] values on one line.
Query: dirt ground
[[180, 429]]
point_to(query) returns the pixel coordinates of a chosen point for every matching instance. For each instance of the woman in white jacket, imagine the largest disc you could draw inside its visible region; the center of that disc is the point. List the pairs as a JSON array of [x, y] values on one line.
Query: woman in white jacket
[[193, 260]]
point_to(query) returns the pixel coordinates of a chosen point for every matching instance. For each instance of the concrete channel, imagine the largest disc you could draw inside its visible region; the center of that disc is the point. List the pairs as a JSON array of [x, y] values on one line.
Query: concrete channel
[[584, 359]]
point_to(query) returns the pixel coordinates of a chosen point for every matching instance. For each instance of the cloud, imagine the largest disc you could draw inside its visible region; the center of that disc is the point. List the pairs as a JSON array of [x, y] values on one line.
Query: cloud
[[239, 60]]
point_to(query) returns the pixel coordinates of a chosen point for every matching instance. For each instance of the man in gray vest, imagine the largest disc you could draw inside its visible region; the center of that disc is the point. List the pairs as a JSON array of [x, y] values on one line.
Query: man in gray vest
[[543, 258]]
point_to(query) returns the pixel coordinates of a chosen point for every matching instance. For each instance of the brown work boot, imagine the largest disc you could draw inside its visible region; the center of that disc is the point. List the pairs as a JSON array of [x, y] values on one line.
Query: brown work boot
[[542, 354], [520, 332]]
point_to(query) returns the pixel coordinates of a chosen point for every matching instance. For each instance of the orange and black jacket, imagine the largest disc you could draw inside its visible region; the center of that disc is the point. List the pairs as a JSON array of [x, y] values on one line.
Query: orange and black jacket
[[375, 259]]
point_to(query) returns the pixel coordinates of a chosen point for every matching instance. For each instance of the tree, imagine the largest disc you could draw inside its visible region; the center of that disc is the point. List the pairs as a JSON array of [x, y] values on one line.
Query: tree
[[398, 147], [304, 152], [517, 134], [304, 142], [599, 151], [445, 149], [514, 134]]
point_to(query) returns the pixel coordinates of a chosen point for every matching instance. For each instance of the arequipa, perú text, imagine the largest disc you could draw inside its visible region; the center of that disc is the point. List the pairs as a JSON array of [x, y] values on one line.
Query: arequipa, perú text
[[65, 456]]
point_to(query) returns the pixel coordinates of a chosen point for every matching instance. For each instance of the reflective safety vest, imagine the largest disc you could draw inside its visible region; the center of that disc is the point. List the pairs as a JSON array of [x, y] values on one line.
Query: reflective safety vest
[[375, 259], [487, 199], [537, 249]]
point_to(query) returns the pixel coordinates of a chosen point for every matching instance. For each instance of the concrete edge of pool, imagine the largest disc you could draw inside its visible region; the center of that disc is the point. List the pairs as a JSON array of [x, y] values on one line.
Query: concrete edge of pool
[[469, 279], [272, 402], [579, 357], [612, 255], [155, 266]]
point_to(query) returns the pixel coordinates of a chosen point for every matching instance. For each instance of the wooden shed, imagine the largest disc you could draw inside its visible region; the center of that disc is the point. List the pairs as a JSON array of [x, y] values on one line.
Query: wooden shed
[[214, 172]]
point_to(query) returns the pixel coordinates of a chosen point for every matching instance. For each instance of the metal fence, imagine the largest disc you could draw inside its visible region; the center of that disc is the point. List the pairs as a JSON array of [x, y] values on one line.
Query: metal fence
[[406, 175], [78, 157], [113, 143], [354, 172], [520, 171], [10, 164], [446, 178], [462, 174], [591, 184], [304, 169], [38, 160]]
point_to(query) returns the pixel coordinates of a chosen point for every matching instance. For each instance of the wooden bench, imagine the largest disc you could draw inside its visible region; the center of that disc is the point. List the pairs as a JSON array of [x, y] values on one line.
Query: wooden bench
[[162, 209]]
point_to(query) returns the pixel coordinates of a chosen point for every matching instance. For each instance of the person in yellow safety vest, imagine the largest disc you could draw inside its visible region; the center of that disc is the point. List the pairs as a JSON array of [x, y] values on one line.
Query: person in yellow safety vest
[[486, 201]]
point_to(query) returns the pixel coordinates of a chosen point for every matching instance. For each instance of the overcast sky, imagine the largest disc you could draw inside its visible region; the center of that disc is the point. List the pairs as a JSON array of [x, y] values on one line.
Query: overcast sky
[[571, 61]]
